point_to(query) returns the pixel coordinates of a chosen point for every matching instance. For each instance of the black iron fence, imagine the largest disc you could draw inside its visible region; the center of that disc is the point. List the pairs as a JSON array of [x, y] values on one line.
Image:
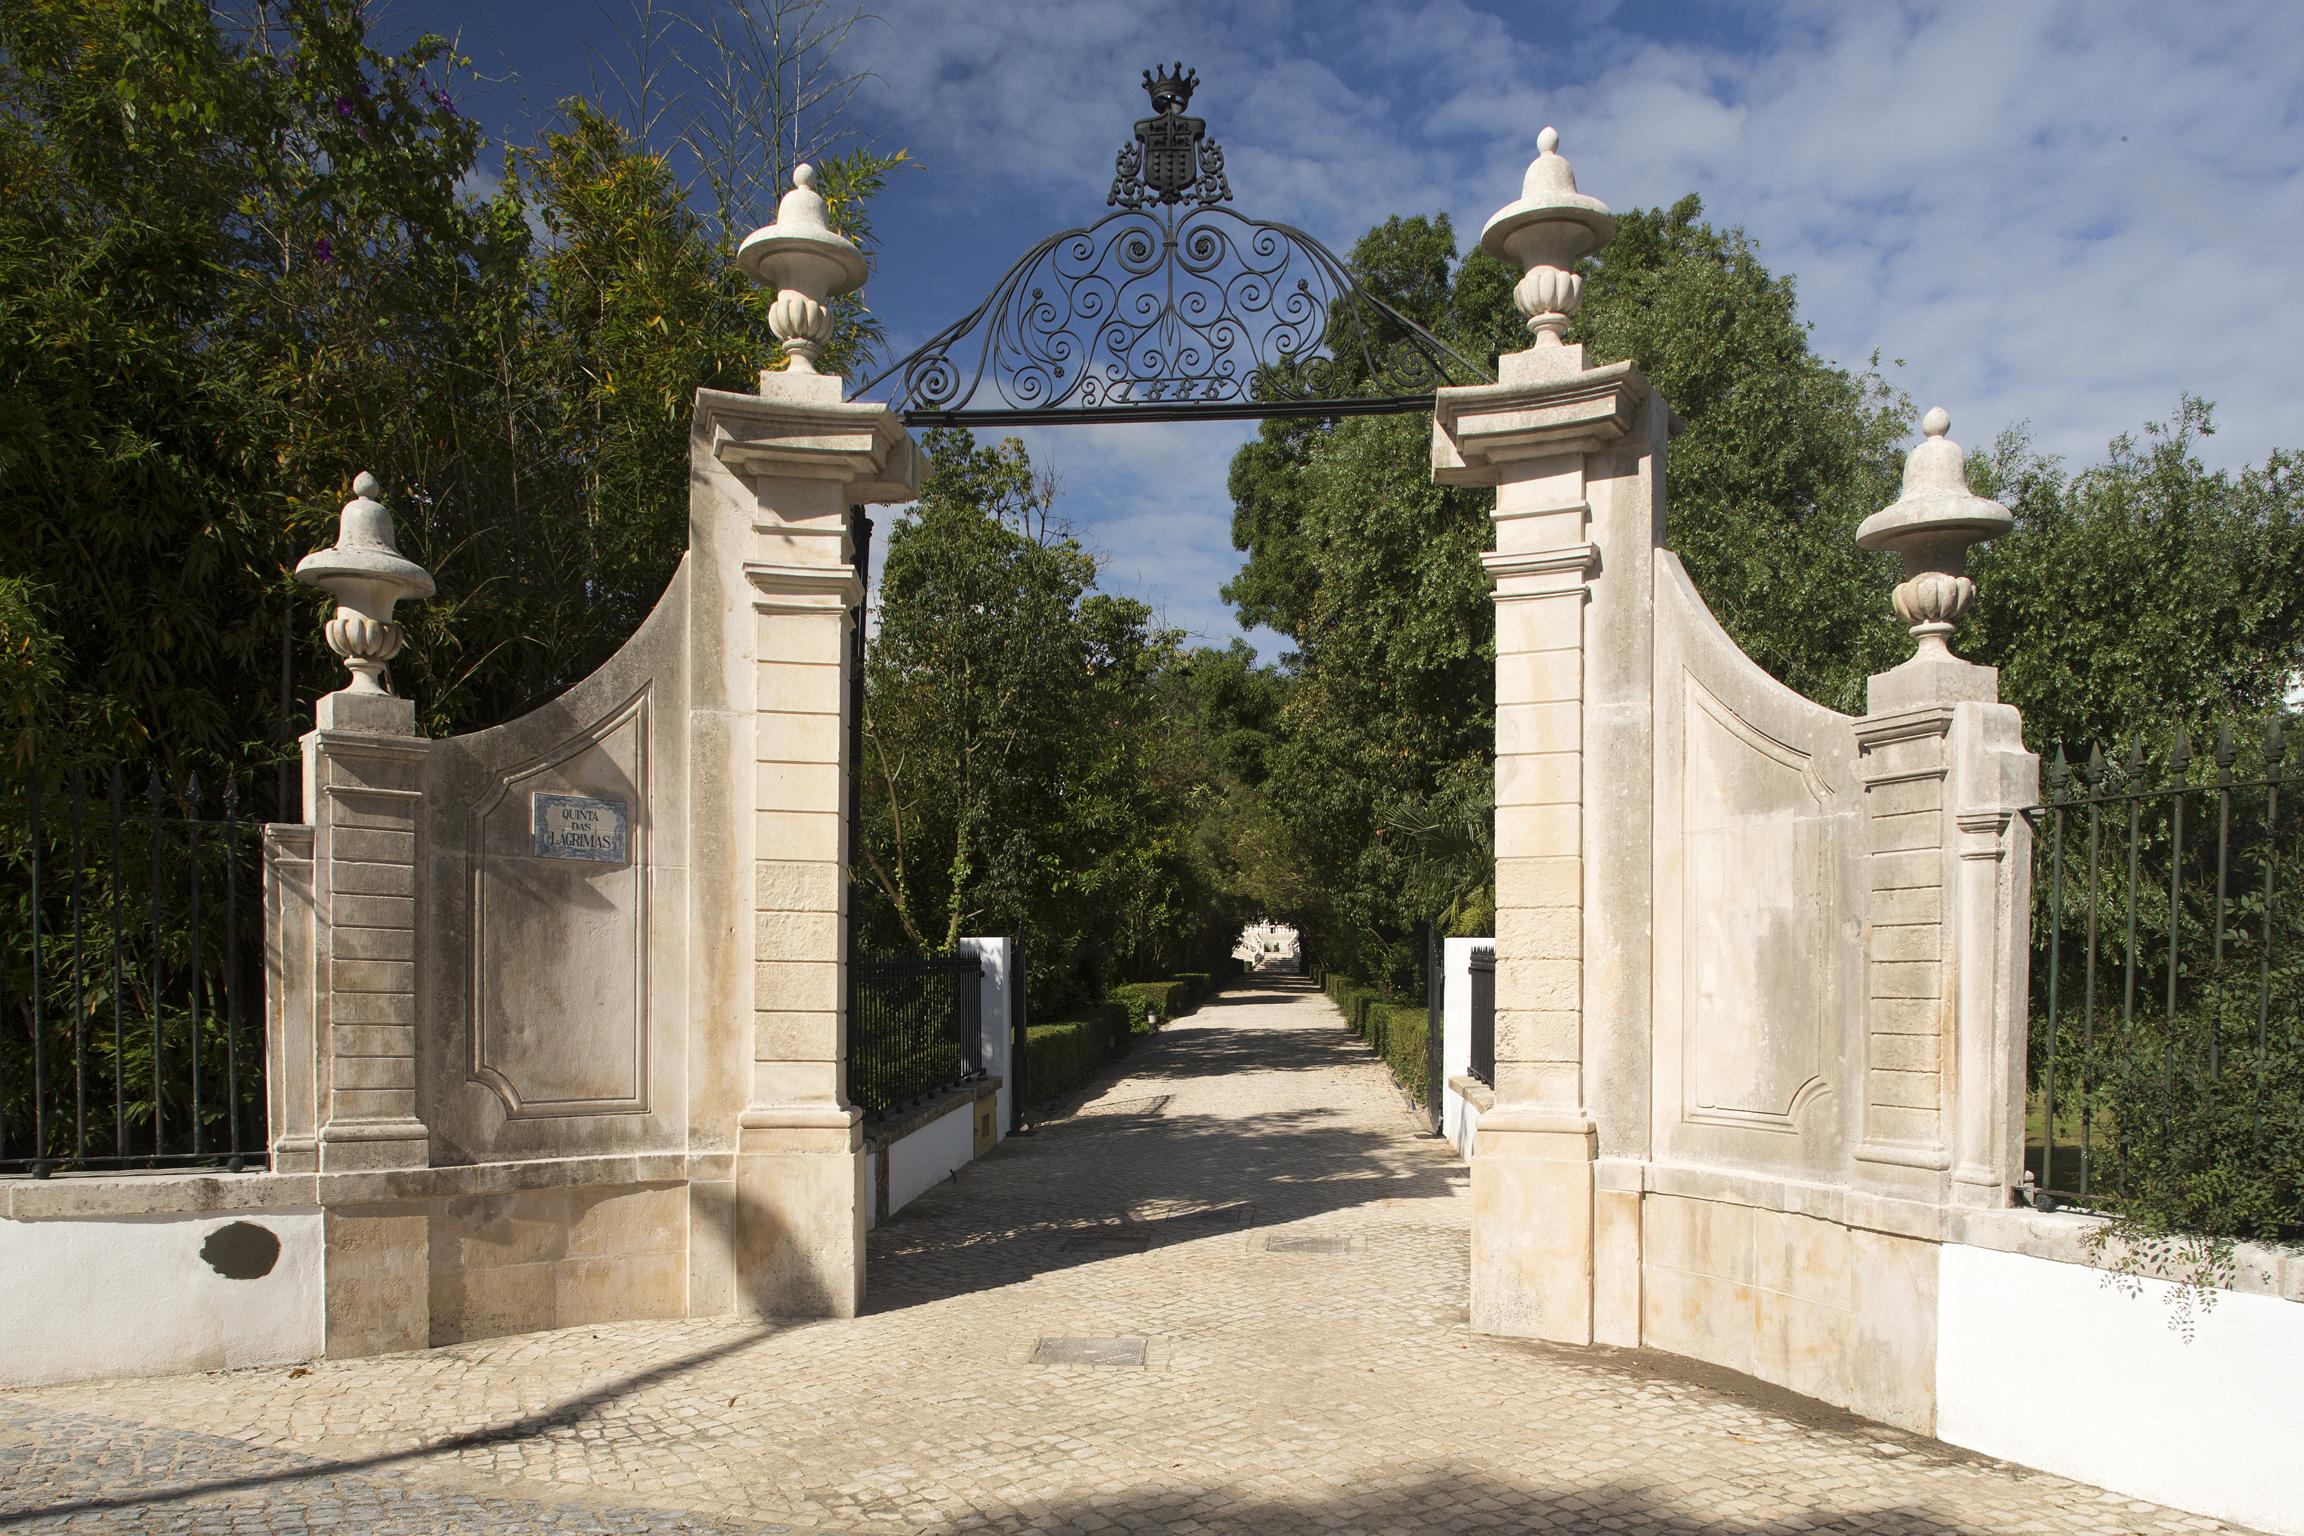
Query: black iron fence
[[915, 1029], [131, 980], [1483, 1010], [2167, 1018]]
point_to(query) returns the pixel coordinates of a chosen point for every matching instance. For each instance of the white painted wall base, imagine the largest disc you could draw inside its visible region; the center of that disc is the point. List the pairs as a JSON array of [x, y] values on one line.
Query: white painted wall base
[[2064, 1368], [1458, 1118], [134, 1296], [928, 1156]]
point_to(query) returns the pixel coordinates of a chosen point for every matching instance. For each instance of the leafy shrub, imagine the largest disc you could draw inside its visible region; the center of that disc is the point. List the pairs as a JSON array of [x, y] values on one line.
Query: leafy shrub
[[1395, 1031], [1061, 1055], [1162, 1000]]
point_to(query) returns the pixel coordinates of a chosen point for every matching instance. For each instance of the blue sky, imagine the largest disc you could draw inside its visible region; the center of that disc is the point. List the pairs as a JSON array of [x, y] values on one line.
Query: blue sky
[[2055, 214]]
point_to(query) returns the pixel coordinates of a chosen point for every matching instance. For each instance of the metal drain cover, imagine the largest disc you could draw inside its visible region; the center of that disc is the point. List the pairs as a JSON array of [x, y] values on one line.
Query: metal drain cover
[[1120, 1351], [1299, 1242]]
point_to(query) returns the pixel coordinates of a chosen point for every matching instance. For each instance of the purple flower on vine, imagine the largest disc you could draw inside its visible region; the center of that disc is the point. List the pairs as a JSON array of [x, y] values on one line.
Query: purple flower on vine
[[324, 251], [446, 102], [343, 106]]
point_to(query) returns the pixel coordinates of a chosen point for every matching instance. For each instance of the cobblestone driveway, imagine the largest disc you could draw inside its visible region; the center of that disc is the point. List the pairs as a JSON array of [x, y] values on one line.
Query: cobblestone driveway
[[1253, 1202]]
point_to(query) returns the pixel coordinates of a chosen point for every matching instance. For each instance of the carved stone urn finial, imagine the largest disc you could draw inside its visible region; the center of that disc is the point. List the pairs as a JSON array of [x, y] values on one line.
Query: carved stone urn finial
[[801, 258], [1551, 228], [1931, 525], [366, 574]]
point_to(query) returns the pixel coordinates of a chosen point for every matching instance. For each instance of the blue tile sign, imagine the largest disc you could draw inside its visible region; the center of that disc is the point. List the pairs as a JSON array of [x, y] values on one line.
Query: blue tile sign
[[580, 827]]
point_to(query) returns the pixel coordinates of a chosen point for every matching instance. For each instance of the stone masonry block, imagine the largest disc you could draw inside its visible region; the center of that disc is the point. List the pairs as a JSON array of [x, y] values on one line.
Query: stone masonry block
[[796, 936], [372, 1008], [799, 834], [799, 787], [1899, 871], [1540, 882], [1893, 1089], [1912, 830], [1542, 624], [796, 885], [372, 976], [346, 942], [1705, 1237], [1540, 933], [1908, 904], [791, 688], [375, 1072], [376, 911], [798, 738], [1900, 796], [1906, 1053], [1901, 1125], [1538, 1034], [1907, 941], [629, 1220], [374, 844], [376, 1103], [370, 879], [802, 986], [1537, 831], [1540, 778], [1904, 1015], [1906, 978], [790, 1035], [372, 1040], [803, 638]]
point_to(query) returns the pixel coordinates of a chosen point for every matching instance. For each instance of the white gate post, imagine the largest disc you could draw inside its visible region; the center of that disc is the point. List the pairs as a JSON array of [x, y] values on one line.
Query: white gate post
[[1575, 453], [774, 475]]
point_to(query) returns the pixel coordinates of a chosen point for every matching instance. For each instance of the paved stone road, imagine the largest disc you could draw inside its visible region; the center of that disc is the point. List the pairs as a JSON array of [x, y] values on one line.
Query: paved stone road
[[1250, 1212]]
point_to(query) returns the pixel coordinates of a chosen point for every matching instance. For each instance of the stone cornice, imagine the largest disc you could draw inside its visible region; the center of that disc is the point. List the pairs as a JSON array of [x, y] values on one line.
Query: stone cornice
[[1478, 430], [860, 443], [1575, 561], [839, 583], [1902, 725]]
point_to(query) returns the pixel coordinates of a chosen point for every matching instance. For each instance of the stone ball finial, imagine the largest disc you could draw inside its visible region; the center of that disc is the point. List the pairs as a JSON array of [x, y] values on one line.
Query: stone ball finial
[[1551, 228], [367, 575], [807, 263], [1931, 524]]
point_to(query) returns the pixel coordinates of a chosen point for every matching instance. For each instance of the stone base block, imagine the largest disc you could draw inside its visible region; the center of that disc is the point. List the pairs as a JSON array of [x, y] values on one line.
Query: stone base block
[[374, 1147], [1532, 1229], [802, 1202], [1833, 1312], [378, 1296]]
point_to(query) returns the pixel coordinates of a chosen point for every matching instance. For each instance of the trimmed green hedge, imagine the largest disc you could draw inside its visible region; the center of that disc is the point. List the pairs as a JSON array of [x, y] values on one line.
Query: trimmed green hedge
[[1061, 1055], [1064, 1053], [1165, 1000], [1395, 1031]]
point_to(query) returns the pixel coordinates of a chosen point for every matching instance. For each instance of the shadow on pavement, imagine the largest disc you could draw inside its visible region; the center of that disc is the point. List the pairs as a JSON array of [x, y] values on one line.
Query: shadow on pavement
[[1123, 1161]]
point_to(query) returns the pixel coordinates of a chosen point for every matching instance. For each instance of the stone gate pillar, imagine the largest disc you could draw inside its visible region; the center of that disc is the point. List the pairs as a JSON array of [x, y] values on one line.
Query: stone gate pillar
[[363, 788], [774, 475], [1576, 455], [1948, 864]]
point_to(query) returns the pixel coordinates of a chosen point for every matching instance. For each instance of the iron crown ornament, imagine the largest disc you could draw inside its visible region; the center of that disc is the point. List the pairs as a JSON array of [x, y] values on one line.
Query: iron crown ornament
[[1174, 306], [1173, 160]]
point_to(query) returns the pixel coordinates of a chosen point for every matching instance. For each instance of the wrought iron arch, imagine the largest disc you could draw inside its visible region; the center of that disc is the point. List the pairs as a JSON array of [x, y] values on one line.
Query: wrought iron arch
[[1173, 308]]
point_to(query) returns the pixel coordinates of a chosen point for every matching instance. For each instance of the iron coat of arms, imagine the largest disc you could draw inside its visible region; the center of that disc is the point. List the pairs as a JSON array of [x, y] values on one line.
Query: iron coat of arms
[[1173, 160]]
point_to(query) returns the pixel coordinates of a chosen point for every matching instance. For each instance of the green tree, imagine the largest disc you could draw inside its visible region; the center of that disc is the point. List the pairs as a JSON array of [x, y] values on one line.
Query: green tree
[[2144, 594], [240, 260]]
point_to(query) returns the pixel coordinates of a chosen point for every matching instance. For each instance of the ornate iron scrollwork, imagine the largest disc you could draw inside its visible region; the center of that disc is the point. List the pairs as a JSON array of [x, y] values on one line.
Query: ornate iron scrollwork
[[1174, 308]]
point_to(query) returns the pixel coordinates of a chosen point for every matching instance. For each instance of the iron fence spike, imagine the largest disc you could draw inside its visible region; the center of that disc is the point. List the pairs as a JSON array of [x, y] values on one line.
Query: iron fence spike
[[2226, 749]]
